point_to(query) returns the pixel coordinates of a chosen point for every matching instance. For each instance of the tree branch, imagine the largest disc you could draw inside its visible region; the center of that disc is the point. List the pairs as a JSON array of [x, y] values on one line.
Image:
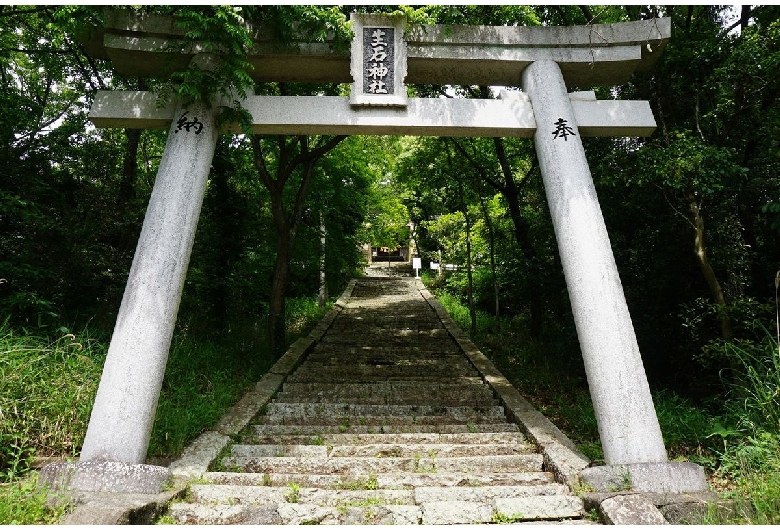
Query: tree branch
[[319, 151], [478, 167], [588, 14], [12, 13], [35, 50], [674, 208], [257, 150], [503, 160]]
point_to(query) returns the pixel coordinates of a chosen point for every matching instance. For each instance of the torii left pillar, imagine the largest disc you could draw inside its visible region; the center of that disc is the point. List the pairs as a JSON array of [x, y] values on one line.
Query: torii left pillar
[[119, 429], [126, 401]]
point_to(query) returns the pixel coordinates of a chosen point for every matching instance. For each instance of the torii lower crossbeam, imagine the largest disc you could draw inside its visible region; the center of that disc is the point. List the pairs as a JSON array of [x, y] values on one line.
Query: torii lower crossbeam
[[509, 116]]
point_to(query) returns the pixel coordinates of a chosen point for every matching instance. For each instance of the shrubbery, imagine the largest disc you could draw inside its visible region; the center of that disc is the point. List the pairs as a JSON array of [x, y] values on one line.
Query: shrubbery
[[736, 438], [47, 388]]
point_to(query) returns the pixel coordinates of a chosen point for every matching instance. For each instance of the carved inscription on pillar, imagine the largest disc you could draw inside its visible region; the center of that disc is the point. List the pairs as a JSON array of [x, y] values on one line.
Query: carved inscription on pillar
[[562, 130], [378, 61], [186, 124]]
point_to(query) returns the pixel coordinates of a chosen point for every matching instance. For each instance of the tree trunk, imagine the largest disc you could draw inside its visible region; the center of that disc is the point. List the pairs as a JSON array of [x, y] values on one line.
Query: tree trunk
[[322, 298], [130, 162], [706, 267], [521, 226], [491, 242], [286, 225], [512, 195], [469, 274], [129, 168], [277, 326]]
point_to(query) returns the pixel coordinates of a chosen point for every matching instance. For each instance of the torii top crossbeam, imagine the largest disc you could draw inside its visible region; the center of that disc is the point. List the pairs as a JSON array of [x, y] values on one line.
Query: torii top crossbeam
[[591, 55], [438, 54]]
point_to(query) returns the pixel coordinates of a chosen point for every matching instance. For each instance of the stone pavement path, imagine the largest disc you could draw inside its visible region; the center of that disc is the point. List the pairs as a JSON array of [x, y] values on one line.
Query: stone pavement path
[[388, 419]]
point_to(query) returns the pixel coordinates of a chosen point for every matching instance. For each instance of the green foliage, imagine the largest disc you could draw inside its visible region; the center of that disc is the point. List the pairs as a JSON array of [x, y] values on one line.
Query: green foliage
[[750, 459], [293, 493], [305, 23], [46, 393], [686, 428], [482, 279], [687, 163], [47, 389], [737, 441], [386, 217], [201, 384], [773, 211], [754, 465], [227, 32], [756, 389], [460, 313], [222, 32], [25, 503]]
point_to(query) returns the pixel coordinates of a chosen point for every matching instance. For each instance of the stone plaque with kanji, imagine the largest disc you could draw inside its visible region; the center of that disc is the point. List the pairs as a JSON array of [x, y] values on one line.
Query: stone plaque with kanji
[[378, 63]]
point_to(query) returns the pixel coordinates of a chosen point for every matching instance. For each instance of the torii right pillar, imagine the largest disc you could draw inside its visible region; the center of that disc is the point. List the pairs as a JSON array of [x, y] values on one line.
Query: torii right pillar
[[628, 426]]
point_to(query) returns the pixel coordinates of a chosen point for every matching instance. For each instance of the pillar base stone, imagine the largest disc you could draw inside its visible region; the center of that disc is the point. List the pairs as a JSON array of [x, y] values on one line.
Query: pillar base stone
[[657, 477], [111, 477]]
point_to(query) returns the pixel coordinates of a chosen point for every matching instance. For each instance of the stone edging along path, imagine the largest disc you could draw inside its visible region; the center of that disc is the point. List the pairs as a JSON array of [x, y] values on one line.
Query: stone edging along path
[[560, 456], [122, 508]]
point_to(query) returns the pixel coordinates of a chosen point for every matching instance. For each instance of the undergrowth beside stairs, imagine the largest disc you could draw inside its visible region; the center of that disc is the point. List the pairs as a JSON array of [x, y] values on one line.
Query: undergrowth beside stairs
[[736, 438], [48, 383]]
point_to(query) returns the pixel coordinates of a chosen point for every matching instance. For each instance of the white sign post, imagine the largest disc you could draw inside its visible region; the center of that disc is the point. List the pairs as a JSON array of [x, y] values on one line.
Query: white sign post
[[417, 264]]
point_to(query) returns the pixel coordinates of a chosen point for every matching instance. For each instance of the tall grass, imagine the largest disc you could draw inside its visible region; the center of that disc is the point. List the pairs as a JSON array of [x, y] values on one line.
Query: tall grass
[[23, 502], [46, 393], [750, 459], [755, 393], [47, 387], [737, 439]]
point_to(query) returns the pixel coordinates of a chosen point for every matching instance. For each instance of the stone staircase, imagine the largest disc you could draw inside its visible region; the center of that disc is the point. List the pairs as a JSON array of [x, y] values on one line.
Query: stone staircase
[[386, 421]]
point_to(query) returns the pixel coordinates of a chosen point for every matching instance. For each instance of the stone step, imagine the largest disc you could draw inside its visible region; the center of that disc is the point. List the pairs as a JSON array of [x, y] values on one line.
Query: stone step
[[431, 450], [404, 387], [385, 422], [394, 438], [388, 338], [377, 376], [548, 507], [488, 494], [349, 410], [388, 334], [419, 328], [294, 514], [425, 345], [431, 513], [384, 329], [321, 429], [368, 396], [476, 398], [378, 422], [410, 356], [356, 465], [383, 450], [294, 493], [381, 480], [427, 367]]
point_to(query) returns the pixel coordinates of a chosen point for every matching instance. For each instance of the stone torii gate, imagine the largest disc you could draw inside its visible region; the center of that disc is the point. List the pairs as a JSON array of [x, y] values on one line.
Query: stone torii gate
[[542, 60]]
